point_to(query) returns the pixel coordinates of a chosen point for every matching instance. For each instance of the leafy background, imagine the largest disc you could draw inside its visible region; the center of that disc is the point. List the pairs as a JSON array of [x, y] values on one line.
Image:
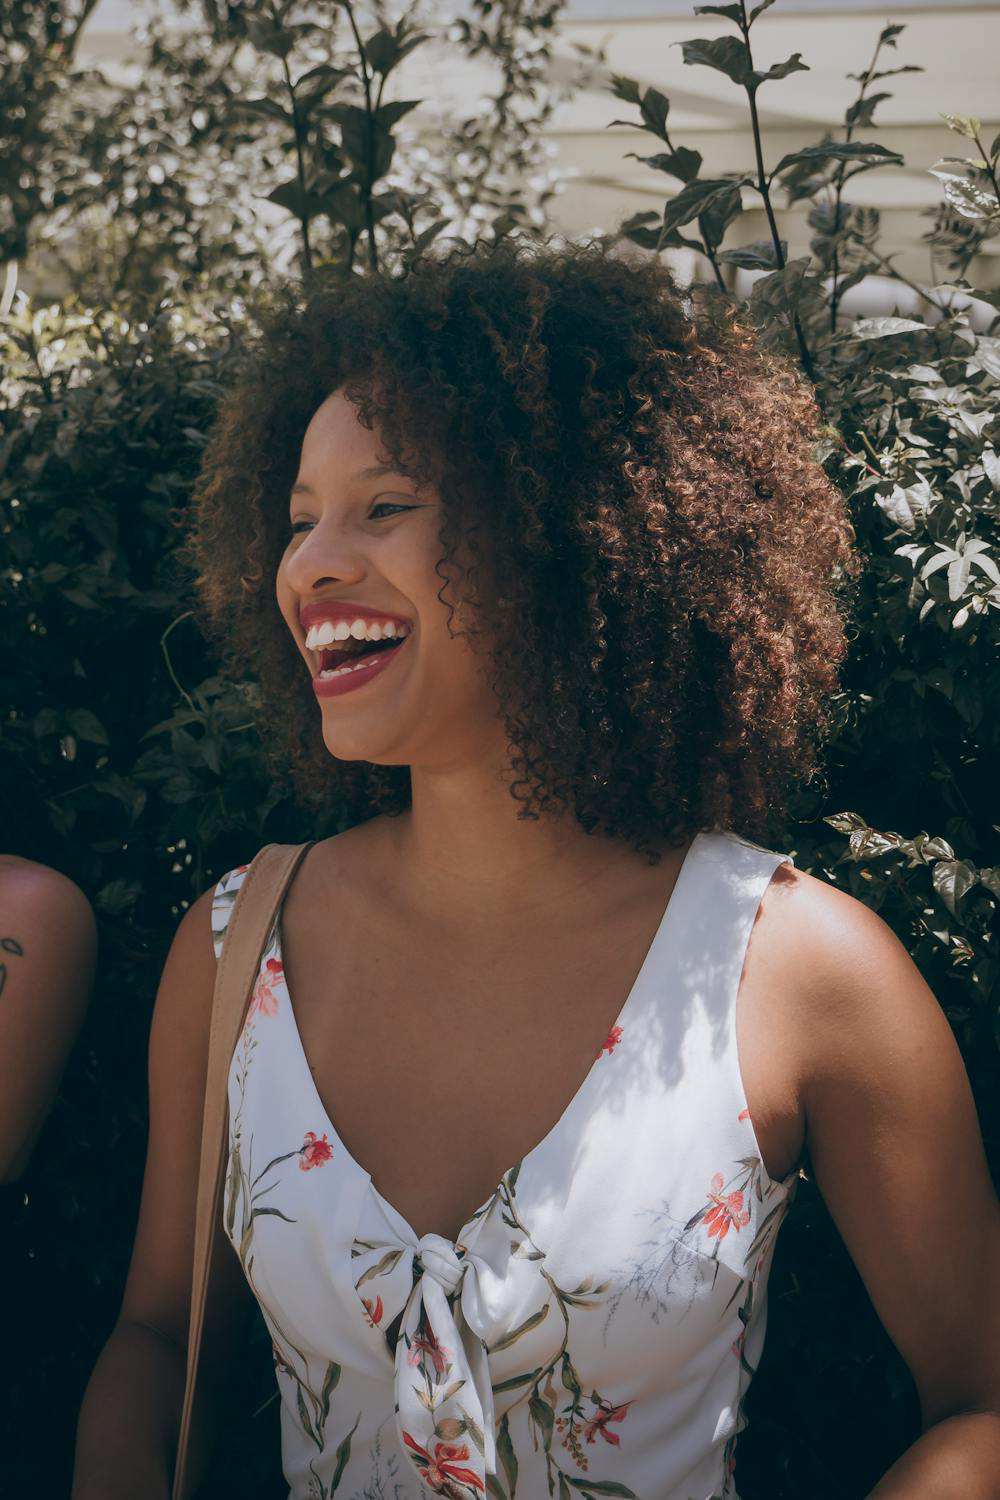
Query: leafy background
[[129, 763]]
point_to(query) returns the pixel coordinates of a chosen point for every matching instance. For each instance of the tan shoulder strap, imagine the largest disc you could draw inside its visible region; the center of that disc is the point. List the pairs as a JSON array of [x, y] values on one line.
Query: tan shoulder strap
[[250, 921]]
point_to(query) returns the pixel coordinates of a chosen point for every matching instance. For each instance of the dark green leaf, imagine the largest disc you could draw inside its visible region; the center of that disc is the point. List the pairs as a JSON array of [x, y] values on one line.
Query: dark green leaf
[[780, 292], [695, 198], [952, 878], [343, 1456], [316, 84], [727, 54], [682, 163], [385, 49], [837, 151], [267, 36], [390, 114], [793, 64], [757, 256], [87, 726], [601, 1487], [506, 1455], [118, 896], [517, 1380], [542, 1415], [267, 109], [304, 1417], [330, 1384], [731, 12], [625, 88], [297, 199], [655, 108], [525, 1327]]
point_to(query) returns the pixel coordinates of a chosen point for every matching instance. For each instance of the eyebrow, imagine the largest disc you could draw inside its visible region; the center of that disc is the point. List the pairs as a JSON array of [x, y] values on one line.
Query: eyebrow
[[374, 472]]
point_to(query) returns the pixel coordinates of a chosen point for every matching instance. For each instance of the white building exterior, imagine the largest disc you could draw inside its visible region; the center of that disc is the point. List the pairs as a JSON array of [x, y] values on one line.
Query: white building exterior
[[956, 45]]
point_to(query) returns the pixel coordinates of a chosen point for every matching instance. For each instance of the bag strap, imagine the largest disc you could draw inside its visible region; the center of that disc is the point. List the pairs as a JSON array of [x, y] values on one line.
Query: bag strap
[[250, 921]]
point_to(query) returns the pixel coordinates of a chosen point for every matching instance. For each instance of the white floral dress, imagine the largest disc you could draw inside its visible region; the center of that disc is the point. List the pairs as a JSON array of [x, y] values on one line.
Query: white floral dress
[[593, 1329]]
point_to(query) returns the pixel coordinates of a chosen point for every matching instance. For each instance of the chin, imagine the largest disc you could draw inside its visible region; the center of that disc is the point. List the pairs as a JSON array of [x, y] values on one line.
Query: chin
[[345, 749]]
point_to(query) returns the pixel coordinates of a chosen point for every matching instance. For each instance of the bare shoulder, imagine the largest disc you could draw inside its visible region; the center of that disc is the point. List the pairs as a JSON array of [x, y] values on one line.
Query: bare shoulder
[[836, 1025], [47, 899], [50, 940], [850, 990]]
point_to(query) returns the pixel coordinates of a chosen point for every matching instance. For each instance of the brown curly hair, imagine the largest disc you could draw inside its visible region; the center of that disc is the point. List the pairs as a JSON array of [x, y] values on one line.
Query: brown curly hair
[[666, 559]]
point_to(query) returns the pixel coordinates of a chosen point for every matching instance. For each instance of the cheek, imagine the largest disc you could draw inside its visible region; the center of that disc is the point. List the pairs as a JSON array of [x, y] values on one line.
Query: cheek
[[285, 594], [288, 602]]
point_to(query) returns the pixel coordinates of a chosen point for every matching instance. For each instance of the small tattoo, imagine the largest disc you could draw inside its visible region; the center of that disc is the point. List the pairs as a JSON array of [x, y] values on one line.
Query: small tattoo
[[9, 945]]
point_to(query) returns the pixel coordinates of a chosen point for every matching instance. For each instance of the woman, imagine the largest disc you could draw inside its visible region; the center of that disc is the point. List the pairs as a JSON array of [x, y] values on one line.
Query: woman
[[557, 587]]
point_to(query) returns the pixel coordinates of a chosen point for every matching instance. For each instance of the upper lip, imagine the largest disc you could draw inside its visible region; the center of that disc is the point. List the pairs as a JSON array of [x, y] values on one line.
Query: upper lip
[[319, 610]]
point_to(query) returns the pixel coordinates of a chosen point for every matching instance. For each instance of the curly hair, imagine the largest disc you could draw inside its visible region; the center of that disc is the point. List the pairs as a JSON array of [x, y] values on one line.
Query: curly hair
[[667, 561]]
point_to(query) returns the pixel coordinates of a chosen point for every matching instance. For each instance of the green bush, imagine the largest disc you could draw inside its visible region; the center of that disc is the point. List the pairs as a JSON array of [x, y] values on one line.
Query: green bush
[[128, 762]]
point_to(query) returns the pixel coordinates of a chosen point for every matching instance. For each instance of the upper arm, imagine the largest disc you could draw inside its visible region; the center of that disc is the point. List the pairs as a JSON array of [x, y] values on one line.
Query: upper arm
[[158, 1289], [897, 1153], [46, 972]]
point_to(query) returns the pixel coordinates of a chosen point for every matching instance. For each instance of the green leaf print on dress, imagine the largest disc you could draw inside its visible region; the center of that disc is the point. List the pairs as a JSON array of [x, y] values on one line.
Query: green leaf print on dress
[[446, 1446], [245, 1193]]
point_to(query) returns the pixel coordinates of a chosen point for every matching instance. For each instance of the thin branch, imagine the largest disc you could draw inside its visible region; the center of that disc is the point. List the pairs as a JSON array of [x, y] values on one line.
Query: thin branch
[[370, 142], [764, 190]]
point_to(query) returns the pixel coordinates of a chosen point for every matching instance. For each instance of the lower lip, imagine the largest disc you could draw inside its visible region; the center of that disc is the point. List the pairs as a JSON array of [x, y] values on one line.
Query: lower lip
[[347, 682]]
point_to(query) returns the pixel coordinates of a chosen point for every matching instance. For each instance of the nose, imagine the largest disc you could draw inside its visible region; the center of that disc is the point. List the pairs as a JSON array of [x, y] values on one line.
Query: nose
[[324, 556]]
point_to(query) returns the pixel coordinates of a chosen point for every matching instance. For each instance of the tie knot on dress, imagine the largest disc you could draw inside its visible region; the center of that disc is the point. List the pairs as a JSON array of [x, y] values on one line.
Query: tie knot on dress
[[439, 1259]]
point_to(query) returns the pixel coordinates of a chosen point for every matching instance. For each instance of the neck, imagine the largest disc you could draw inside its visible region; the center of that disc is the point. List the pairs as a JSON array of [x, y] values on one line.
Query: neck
[[465, 850]]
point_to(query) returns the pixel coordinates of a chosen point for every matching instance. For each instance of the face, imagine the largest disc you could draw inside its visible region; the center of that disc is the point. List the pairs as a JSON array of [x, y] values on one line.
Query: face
[[358, 590]]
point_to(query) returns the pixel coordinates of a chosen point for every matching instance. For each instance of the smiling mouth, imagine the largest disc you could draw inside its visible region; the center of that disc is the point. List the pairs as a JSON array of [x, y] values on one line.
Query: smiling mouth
[[361, 642], [337, 660]]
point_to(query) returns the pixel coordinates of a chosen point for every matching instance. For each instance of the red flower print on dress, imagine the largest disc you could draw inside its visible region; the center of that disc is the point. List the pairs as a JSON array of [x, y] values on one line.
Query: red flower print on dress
[[314, 1151], [598, 1423], [744, 1114], [263, 998], [611, 1041], [724, 1210], [373, 1311], [421, 1345], [446, 1465]]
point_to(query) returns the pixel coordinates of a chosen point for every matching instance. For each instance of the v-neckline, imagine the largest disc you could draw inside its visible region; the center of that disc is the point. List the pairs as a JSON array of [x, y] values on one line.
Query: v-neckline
[[656, 942]]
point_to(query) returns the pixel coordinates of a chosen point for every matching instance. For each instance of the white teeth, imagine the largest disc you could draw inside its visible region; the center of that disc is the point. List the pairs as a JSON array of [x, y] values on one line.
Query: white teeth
[[325, 635], [339, 671]]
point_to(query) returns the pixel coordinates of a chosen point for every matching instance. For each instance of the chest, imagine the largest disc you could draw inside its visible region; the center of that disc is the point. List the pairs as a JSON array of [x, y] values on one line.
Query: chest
[[444, 1052], [433, 1047]]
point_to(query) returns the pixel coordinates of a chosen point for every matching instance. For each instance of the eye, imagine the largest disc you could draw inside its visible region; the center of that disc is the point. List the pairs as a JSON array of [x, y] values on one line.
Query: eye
[[298, 527], [391, 504]]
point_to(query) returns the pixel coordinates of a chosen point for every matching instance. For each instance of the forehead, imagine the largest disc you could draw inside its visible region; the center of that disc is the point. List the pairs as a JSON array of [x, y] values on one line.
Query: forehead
[[336, 437]]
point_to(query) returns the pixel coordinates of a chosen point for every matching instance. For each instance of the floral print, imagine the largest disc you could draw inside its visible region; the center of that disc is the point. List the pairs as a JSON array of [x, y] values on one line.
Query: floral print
[[591, 1329], [264, 999], [447, 1472], [611, 1041], [725, 1210], [314, 1151]]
